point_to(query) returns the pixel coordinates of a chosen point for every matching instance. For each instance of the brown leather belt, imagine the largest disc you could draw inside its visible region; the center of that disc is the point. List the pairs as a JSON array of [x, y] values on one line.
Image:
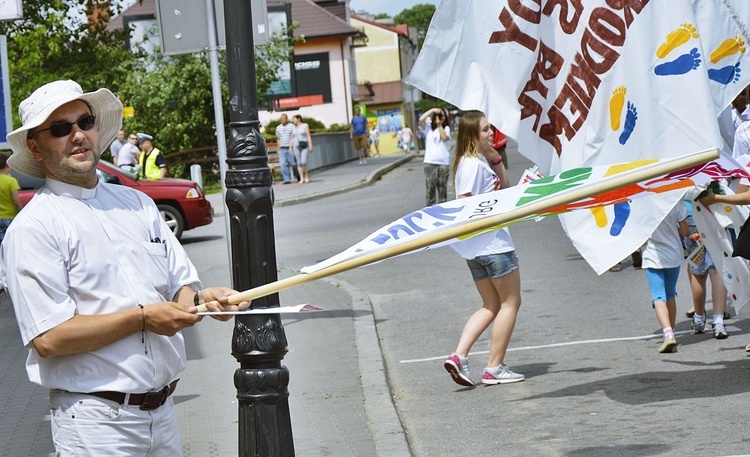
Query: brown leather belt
[[147, 401]]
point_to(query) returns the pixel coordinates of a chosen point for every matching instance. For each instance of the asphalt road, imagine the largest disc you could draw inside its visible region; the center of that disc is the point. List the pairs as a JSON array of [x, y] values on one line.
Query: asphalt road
[[595, 384]]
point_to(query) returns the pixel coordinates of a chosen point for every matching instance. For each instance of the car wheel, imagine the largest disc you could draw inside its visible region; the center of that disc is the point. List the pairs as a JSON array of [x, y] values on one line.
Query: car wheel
[[173, 218]]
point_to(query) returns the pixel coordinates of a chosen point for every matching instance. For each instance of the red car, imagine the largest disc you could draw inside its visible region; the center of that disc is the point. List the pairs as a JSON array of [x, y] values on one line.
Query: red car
[[182, 203]]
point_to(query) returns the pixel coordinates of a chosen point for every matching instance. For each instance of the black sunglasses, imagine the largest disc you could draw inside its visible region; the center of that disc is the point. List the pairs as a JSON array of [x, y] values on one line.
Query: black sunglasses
[[62, 129]]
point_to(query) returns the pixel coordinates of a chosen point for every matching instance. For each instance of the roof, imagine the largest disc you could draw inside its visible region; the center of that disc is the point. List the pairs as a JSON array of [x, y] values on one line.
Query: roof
[[382, 93], [144, 8], [401, 29], [315, 20], [337, 7]]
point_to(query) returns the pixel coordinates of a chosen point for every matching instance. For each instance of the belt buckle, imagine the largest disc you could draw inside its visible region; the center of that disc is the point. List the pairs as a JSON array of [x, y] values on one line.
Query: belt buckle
[[153, 400]]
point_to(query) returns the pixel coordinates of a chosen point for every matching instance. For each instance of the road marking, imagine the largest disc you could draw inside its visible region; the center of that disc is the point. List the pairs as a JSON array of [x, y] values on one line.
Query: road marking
[[569, 343]]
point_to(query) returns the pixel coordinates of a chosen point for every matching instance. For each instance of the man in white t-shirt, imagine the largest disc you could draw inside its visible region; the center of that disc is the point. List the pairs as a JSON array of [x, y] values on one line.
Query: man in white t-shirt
[[436, 155], [129, 154], [284, 134]]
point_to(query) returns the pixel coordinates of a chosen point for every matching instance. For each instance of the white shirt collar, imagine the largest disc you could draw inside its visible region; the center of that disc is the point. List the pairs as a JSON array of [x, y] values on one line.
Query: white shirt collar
[[70, 190]]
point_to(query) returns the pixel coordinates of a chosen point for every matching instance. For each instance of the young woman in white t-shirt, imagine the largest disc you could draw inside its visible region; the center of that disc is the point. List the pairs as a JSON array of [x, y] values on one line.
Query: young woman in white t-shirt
[[478, 169]]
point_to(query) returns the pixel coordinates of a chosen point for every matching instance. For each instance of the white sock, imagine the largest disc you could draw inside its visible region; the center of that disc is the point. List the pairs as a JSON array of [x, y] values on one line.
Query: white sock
[[667, 331], [718, 318], [698, 318]]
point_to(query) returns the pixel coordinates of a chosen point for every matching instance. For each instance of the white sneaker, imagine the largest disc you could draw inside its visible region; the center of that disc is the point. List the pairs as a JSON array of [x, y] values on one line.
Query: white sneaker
[[669, 344], [500, 375]]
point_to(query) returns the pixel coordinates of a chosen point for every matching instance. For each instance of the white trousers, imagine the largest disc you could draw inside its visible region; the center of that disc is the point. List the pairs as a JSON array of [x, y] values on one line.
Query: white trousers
[[83, 425]]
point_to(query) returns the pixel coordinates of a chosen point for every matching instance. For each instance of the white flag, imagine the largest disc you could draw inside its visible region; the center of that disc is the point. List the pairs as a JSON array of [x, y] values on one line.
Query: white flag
[[574, 189], [595, 82]]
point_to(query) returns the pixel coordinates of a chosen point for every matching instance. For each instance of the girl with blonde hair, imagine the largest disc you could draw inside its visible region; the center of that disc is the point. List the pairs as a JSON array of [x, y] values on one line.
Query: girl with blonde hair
[[478, 169]]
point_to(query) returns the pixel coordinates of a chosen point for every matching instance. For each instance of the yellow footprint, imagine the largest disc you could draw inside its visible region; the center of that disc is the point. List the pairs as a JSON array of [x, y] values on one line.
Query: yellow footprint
[[728, 47], [600, 216], [615, 107], [677, 37]]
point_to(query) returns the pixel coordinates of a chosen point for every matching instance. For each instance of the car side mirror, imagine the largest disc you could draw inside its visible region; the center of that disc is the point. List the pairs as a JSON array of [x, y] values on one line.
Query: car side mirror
[[112, 179]]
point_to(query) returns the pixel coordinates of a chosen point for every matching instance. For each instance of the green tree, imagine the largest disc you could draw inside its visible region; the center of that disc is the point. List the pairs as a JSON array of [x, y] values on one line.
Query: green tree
[[171, 96], [173, 101], [55, 41], [418, 16]]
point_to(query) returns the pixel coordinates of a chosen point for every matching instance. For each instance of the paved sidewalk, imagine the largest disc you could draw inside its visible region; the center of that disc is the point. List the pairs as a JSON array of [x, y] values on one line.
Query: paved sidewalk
[[331, 181], [340, 402]]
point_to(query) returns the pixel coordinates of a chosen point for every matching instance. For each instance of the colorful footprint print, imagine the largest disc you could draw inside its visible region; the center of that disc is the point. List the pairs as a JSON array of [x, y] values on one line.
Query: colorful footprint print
[[680, 65], [631, 116], [616, 103], [725, 75], [730, 46], [676, 38], [600, 216], [622, 213]]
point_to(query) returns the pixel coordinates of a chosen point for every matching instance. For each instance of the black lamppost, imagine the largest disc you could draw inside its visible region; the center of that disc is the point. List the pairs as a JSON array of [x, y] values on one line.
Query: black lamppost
[[259, 342]]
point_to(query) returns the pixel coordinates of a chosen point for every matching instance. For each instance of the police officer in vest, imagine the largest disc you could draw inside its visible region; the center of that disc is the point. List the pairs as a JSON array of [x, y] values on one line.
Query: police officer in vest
[[152, 163]]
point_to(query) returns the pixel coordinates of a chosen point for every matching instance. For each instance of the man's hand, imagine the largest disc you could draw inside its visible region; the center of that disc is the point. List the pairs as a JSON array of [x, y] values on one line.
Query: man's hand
[[217, 299], [168, 318]]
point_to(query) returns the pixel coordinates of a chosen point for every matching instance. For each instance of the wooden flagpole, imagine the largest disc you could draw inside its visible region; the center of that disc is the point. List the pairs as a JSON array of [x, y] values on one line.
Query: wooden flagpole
[[530, 209]]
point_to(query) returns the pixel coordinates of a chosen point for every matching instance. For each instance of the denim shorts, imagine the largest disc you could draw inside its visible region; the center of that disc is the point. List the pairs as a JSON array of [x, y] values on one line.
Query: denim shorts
[[493, 265]]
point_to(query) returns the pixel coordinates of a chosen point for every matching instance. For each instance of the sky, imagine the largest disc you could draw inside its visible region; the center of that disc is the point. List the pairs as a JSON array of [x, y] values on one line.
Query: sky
[[389, 7]]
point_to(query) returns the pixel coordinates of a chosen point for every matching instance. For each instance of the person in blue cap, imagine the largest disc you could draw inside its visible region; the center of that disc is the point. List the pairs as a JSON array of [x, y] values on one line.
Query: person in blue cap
[[152, 163]]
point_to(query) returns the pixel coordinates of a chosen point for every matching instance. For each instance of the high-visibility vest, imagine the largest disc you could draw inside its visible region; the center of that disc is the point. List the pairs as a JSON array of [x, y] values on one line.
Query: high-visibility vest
[[150, 170]]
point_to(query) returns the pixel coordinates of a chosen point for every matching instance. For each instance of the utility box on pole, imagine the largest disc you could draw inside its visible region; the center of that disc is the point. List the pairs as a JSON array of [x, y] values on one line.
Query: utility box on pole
[[183, 28]]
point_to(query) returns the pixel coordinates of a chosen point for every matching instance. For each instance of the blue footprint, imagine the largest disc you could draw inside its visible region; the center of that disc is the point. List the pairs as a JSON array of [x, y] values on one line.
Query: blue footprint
[[630, 117], [726, 75], [622, 213], [680, 65]]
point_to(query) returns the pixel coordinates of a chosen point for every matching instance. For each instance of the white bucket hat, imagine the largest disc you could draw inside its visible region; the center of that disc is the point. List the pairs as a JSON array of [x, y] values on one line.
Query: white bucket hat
[[35, 110]]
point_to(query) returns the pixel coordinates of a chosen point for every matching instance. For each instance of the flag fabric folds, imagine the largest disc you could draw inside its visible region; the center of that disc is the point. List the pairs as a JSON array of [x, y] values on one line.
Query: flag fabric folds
[[713, 225], [542, 194], [593, 83]]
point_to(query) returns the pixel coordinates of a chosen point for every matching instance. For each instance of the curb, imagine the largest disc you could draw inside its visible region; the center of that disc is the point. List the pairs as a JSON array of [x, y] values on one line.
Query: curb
[[389, 436], [369, 179], [386, 428]]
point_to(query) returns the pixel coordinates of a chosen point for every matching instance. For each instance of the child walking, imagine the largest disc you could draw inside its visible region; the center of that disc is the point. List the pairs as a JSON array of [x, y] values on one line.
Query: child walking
[[662, 257]]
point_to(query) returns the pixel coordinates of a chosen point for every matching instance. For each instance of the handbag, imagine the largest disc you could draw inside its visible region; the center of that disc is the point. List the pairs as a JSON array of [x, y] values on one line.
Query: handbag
[[302, 145], [742, 246]]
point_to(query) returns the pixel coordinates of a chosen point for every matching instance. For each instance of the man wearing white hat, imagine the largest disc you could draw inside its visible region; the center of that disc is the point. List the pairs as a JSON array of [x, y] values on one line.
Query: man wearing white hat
[[100, 286]]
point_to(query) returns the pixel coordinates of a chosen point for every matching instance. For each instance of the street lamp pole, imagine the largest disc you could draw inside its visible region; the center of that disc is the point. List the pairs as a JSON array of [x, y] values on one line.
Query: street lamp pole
[[259, 342]]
